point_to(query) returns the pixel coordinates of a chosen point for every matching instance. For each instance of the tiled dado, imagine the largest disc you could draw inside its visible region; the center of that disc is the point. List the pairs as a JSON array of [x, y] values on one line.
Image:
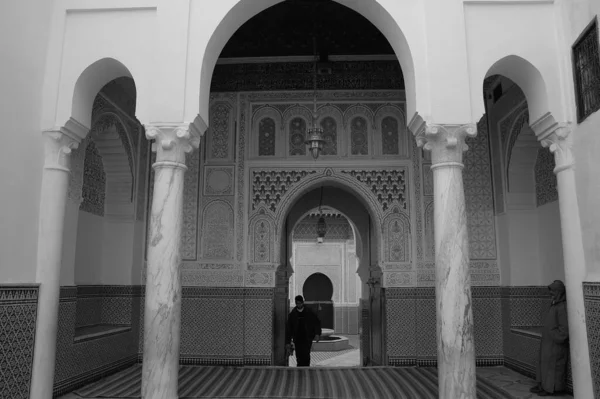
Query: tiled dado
[[79, 363], [411, 314], [591, 297], [18, 315], [225, 326]]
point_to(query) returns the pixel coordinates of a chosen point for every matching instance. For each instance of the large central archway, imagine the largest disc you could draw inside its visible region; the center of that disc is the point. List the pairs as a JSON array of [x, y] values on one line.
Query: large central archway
[[407, 42], [343, 197]]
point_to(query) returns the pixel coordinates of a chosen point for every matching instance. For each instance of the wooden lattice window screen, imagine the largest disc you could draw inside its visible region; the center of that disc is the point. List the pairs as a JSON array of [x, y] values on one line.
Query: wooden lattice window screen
[[586, 67]]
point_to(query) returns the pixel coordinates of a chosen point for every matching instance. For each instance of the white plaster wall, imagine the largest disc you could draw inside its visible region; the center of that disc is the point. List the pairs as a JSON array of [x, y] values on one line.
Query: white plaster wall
[[89, 252], [550, 243], [587, 173], [495, 30], [575, 17], [83, 33], [24, 28], [117, 252]]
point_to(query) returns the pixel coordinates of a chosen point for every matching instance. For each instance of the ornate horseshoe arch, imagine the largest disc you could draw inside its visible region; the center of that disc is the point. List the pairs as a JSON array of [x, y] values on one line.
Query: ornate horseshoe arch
[[274, 192]]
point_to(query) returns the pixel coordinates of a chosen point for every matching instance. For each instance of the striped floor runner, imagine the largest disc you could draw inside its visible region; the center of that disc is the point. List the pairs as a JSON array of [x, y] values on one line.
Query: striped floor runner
[[283, 382]]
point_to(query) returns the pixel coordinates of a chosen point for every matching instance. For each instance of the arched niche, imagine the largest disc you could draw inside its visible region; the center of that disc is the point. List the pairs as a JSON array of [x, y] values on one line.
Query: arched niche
[[267, 124], [529, 79], [218, 231], [75, 105], [330, 118], [344, 200], [390, 137], [296, 120]]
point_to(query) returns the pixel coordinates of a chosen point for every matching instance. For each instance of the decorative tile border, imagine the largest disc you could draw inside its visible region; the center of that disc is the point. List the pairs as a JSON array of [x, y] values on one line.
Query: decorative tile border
[[18, 317], [209, 360], [399, 361], [18, 294]]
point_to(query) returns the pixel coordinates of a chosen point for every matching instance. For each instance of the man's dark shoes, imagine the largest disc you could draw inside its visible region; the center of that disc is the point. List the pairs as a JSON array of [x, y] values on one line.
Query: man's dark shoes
[[544, 393], [536, 389]]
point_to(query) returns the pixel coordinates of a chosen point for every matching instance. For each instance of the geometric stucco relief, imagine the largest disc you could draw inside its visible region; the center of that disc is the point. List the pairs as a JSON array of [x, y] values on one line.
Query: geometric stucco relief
[[218, 180], [479, 196], [545, 180]]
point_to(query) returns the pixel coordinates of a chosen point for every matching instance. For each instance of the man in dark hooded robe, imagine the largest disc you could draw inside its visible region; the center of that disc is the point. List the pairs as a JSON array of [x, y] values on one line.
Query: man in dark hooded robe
[[551, 370], [302, 326]]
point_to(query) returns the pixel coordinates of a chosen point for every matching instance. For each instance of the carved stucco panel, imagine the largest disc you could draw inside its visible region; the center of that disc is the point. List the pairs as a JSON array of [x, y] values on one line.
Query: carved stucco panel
[[262, 233], [397, 238], [220, 131], [217, 231], [219, 180]]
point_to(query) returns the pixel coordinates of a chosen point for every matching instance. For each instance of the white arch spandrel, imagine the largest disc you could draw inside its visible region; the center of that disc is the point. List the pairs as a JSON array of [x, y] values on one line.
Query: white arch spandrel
[[500, 40], [90, 46], [401, 22]]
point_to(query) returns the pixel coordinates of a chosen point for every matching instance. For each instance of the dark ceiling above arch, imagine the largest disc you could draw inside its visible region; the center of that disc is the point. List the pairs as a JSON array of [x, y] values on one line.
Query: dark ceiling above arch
[[286, 29]]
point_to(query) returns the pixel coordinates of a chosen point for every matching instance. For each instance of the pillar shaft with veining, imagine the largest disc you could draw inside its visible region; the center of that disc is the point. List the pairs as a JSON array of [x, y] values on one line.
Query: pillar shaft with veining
[[559, 143], [455, 339], [162, 314], [55, 183]]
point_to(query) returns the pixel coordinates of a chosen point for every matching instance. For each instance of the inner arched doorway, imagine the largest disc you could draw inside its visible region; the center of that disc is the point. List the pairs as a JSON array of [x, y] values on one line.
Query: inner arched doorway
[[345, 200]]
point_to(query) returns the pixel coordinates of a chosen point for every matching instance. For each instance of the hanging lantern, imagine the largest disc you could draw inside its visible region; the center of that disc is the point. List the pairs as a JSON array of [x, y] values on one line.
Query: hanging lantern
[[315, 141], [321, 230]]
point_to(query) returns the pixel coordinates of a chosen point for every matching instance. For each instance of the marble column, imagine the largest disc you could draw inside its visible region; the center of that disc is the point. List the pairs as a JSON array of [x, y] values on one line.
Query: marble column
[[455, 346], [162, 317], [559, 142], [55, 183]]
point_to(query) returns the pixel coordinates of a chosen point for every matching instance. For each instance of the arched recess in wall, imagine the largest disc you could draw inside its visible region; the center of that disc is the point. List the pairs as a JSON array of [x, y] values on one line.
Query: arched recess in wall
[[296, 119], [372, 10], [267, 124], [518, 164], [344, 199], [113, 142], [331, 120], [91, 80], [353, 233], [529, 79], [391, 132]]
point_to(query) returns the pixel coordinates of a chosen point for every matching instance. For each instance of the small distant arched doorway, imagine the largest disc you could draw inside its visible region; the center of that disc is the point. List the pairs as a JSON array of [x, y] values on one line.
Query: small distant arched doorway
[[318, 294]]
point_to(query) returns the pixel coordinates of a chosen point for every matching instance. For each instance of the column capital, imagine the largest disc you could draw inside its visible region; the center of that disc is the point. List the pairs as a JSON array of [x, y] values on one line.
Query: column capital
[[172, 141], [58, 144], [560, 143], [446, 142]]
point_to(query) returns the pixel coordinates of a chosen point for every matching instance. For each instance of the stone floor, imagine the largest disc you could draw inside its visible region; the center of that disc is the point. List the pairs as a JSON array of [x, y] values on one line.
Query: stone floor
[[514, 383]]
